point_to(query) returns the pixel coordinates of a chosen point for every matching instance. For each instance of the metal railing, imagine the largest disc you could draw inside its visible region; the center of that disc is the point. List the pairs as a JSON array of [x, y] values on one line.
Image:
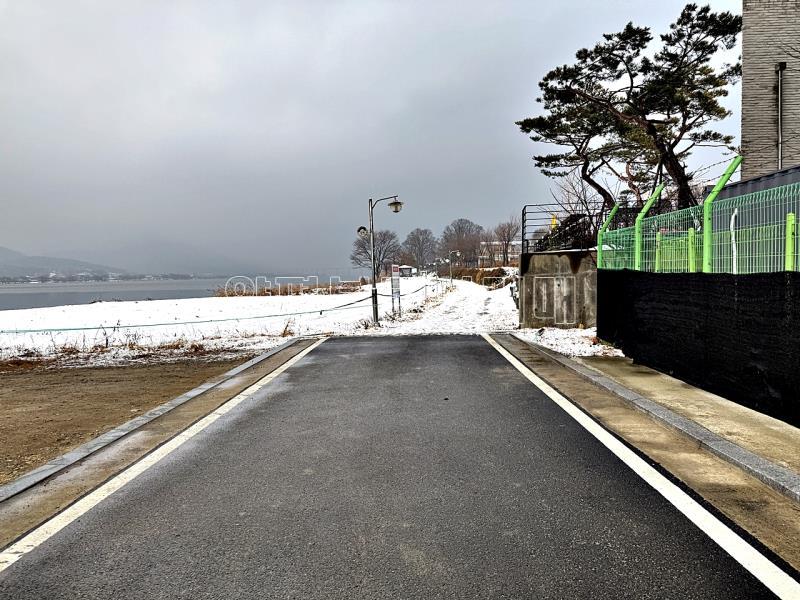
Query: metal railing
[[534, 226], [551, 226]]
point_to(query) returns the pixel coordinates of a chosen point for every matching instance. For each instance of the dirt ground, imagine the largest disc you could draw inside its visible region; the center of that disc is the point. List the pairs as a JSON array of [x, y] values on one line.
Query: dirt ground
[[45, 412]]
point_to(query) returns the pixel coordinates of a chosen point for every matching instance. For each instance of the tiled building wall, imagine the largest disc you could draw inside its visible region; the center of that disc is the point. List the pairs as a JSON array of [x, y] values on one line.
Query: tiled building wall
[[771, 35]]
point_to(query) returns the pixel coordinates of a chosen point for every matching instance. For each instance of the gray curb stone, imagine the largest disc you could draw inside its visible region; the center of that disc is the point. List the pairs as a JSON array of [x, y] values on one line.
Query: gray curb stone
[[783, 480], [31, 478]]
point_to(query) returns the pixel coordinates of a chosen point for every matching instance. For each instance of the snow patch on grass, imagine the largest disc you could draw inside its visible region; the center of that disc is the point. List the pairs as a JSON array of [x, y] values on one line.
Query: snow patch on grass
[[570, 342]]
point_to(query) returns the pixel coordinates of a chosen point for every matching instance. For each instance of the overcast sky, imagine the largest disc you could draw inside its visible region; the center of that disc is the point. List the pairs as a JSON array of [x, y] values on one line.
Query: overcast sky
[[249, 135]]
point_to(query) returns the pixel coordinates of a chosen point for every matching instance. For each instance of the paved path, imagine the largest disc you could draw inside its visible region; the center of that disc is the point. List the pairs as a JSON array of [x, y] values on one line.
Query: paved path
[[403, 467]]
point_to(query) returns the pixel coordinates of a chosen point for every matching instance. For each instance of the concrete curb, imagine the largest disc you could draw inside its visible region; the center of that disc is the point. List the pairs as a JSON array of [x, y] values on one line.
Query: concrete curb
[[31, 478], [783, 480]]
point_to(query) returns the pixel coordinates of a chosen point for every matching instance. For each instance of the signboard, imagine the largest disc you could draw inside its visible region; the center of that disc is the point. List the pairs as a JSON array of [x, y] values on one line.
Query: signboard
[[396, 290]]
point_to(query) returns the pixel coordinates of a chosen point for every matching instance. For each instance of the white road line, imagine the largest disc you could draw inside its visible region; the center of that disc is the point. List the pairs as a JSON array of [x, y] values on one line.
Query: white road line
[[49, 528], [751, 559]]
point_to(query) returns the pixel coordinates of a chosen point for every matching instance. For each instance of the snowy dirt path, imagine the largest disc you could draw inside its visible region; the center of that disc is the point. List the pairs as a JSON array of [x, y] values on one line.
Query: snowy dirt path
[[469, 308]]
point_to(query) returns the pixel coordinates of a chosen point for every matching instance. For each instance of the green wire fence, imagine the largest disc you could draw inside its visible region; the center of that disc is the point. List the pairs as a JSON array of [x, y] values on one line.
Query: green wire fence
[[756, 233], [670, 243], [753, 233], [617, 250]]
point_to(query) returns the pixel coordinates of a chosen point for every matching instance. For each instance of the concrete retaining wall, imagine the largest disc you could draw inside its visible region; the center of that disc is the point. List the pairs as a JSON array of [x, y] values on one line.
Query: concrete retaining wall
[[558, 289]]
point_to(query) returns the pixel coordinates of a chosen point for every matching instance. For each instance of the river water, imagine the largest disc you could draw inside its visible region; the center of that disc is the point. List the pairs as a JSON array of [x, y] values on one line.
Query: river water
[[37, 295]]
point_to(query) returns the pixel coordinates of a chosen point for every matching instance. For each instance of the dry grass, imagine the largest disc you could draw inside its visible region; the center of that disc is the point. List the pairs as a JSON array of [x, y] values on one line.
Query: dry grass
[[176, 344], [347, 287], [14, 365], [478, 275], [287, 329]]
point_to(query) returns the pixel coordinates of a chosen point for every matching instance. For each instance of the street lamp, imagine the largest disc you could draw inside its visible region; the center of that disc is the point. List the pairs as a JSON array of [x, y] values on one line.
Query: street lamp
[[450, 260], [396, 206]]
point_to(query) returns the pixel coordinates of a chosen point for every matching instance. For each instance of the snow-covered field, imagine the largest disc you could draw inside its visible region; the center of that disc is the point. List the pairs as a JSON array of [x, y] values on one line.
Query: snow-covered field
[[120, 332], [111, 332]]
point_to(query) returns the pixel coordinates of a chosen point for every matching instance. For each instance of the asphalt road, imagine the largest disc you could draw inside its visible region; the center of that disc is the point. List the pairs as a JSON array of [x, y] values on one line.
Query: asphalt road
[[386, 467]]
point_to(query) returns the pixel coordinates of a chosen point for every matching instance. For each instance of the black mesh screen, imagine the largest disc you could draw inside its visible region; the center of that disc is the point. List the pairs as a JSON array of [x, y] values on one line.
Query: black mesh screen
[[733, 335]]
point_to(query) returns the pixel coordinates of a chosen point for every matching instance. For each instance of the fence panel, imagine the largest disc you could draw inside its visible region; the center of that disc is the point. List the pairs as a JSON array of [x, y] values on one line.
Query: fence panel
[[666, 237], [750, 231], [618, 248], [753, 233]]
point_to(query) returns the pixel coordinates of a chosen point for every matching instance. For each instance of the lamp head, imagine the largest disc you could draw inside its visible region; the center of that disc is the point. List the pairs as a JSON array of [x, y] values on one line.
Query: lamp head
[[396, 205]]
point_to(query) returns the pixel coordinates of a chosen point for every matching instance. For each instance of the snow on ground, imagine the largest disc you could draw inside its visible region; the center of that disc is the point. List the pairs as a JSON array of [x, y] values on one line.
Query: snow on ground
[[470, 308], [113, 332], [572, 342], [119, 332]]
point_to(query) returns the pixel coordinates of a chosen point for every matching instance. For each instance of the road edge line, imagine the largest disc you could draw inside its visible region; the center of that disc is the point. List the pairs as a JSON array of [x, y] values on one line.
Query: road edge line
[[49, 528], [781, 479], [775, 579]]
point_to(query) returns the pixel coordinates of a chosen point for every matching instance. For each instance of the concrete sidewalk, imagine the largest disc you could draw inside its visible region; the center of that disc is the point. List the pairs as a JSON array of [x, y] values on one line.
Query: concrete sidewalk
[[764, 447], [769, 438]]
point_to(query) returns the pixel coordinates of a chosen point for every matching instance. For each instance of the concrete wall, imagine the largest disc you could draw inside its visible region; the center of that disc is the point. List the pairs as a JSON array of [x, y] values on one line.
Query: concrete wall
[[771, 32], [558, 289]]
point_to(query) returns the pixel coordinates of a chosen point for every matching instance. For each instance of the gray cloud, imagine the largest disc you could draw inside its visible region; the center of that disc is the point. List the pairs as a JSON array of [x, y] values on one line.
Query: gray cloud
[[148, 134]]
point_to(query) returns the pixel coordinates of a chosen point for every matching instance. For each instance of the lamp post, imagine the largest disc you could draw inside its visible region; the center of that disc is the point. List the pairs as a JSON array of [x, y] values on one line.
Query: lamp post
[[396, 206], [450, 260]]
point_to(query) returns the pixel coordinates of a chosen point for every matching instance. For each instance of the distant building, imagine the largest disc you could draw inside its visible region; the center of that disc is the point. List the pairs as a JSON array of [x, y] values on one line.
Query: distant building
[[491, 253], [770, 86], [407, 271]]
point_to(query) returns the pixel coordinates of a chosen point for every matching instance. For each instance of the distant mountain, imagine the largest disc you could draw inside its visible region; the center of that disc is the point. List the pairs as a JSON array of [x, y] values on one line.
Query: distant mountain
[[159, 255], [16, 264]]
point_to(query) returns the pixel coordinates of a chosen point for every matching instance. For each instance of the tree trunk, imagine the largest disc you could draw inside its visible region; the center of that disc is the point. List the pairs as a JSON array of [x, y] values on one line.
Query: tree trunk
[[608, 199], [674, 168]]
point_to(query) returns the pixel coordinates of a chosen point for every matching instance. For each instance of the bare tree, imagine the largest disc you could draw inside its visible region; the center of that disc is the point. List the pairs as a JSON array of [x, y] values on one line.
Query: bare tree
[[387, 248], [421, 244], [575, 197], [506, 232], [463, 235], [488, 241]]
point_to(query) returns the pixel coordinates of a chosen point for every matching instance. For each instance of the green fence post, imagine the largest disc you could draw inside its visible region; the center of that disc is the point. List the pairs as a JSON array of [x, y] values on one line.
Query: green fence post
[[692, 251], [708, 234], [602, 232], [658, 252], [791, 229], [637, 241]]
